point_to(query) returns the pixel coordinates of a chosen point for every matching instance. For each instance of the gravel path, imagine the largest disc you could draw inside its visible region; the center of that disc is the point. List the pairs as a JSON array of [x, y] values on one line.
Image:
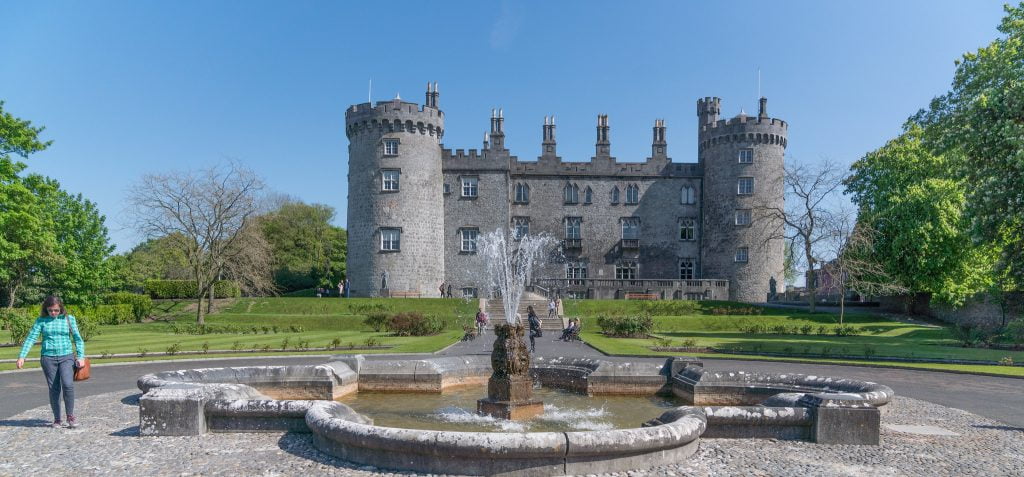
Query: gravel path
[[108, 444]]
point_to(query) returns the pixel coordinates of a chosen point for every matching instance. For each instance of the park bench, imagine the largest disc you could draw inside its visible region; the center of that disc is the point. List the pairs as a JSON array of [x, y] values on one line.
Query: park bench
[[404, 294], [643, 296]]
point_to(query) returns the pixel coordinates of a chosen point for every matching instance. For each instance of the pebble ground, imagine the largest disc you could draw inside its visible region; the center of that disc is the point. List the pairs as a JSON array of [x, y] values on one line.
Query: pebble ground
[[108, 444]]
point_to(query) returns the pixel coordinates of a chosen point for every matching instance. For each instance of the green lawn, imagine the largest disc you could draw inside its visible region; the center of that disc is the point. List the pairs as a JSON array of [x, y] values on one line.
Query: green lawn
[[321, 320], [878, 338]]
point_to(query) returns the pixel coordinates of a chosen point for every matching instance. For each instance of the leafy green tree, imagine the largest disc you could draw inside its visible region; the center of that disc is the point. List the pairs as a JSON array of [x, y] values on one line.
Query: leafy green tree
[[308, 251], [157, 258], [915, 209], [24, 241], [981, 121]]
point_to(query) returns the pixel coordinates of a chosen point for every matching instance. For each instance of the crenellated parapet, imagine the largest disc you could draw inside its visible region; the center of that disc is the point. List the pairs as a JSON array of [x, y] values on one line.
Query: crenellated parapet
[[393, 116]]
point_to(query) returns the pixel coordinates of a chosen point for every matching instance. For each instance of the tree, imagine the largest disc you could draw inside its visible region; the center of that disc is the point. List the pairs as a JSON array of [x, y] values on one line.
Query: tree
[[805, 219], [24, 242], [981, 121], [915, 211], [155, 258], [855, 265], [207, 215], [308, 250]]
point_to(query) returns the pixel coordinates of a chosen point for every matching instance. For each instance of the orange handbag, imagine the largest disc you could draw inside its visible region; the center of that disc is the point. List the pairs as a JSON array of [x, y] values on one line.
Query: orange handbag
[[81, 373]]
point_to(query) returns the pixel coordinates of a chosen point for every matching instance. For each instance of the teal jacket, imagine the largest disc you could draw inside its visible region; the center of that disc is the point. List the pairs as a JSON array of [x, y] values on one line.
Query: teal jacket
[[56, 336]]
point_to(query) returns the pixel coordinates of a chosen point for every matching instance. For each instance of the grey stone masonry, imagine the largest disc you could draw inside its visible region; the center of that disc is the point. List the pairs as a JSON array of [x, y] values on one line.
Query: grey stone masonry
[[613, 220]]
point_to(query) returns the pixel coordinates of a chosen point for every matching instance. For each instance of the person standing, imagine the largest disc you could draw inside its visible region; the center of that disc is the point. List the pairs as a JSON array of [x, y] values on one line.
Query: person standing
[[449, 290], [341, 289], [535, 332], [552, 308], [441, 289], [58, 329], [348, 288]]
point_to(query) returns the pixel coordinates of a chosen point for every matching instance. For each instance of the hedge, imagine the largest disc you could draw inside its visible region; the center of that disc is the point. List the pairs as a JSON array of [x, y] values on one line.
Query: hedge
[[103, 314], [187, 289], [142, 305]]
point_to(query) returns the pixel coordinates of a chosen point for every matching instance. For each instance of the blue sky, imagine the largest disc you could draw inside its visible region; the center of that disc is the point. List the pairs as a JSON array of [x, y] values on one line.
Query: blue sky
[[127, 88]]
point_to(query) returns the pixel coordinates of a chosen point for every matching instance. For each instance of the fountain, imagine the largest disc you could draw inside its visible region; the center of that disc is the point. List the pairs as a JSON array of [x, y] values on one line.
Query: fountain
[[720, 404], [510, 387]]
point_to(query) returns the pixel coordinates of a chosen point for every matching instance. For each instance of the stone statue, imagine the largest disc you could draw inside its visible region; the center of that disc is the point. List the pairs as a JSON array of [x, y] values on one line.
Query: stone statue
[[772, 289], [384, 280]]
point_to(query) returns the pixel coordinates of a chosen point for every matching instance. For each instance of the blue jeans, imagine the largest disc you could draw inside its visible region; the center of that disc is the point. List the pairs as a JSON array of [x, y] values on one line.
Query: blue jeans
[[60, 376]]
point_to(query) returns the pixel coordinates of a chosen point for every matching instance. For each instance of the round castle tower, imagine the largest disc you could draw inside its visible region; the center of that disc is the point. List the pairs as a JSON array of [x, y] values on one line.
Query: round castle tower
[[742, 160], [395, 201]]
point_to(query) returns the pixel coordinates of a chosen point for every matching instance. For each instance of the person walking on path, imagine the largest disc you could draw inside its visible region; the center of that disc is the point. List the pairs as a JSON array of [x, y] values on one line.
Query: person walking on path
[[535, 332], [552, 309], [58, 329], [449, 290], [481, 322], [441, 289]]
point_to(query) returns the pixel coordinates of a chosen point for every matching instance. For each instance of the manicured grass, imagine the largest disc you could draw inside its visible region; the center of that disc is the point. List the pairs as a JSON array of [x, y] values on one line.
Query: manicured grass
[[321, 321], [641, 347], [877, 338]]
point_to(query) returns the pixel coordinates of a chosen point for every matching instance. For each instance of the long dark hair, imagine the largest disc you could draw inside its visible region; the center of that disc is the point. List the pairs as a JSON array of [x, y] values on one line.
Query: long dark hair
[[50, 301]]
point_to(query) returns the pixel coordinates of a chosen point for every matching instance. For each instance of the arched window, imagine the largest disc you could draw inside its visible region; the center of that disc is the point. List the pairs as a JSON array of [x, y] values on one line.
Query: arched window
[[572, 194], [588, 195], [632, 194], [687, 195], [522, 193], [615, 195]]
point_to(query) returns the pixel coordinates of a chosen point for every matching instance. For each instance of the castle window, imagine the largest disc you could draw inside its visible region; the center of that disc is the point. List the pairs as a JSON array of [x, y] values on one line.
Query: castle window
[[469, 236], [746, 156], [687, 195], [588, 195], [627, 271], [742, 254], [745, 186], [615, 195], [687, 229], [571, 194], [447, 188], [630, 228], [687, 266], [632, 194], [572, 227], [469, 186], [520, 227], [389, 180], [742, 216], [391, 147], [469, 292], [576, 272], [522, 193], [390, 240]]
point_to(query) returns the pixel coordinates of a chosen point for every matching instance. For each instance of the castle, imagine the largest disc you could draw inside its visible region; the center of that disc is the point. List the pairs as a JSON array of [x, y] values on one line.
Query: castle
[[677, 230]]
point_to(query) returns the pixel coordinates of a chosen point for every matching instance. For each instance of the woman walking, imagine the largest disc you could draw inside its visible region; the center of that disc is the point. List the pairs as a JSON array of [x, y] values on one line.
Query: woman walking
[[58, 329], [534, 322]]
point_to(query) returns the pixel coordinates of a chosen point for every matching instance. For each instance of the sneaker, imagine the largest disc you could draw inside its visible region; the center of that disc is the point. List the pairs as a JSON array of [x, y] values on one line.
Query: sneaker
[[72, 422], [56, 424]]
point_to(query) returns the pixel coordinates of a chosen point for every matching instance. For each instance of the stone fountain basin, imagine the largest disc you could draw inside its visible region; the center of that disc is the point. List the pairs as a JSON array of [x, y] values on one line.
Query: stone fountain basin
[[300, 399]]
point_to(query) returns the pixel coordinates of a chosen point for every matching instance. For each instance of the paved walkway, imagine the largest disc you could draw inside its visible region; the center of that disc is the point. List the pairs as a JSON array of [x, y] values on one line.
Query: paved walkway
[[1001, 399]]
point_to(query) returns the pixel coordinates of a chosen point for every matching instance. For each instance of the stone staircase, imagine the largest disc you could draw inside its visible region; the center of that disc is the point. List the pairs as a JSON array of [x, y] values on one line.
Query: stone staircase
[[496, 311]]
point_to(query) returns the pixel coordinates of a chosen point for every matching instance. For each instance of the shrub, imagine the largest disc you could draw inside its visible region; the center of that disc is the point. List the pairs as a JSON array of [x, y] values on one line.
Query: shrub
[[413, 323], [967, 334], [367, 308], [142, 305], [1015, 331], [206, 347], [18, 323], [869, 351], [779, 329], [689, 343], [335, 343], [1006, 361], [205, 329], [104, 314], [822, 330], [187, 289], [284, 343], [173, 349], [377, 321], [630, 326], [806, 329], [87, 327], [371, 342]]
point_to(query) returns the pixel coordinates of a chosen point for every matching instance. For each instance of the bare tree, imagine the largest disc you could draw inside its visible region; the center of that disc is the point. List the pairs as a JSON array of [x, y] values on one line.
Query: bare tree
[[805, 218], [853, 263], [208, 215]]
